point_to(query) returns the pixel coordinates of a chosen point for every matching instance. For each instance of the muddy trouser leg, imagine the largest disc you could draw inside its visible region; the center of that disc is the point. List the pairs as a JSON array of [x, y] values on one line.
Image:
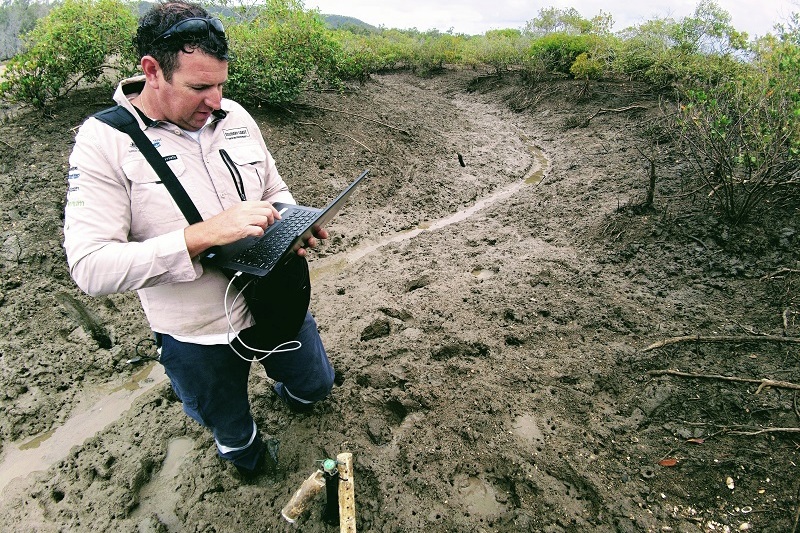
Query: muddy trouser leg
[[211, 381], [304, 376]]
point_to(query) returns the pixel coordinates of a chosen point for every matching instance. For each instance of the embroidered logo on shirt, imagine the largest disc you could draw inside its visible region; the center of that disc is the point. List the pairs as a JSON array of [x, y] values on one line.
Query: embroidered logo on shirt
[[168, 158], [237, 133], [132, 148]]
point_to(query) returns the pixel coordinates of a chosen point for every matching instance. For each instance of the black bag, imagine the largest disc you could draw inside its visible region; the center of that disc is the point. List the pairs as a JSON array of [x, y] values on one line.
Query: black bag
[[278, 302]]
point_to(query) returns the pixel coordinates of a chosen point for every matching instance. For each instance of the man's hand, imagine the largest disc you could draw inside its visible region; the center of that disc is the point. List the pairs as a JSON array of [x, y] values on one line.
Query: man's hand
[[312, 242], [247, 219]]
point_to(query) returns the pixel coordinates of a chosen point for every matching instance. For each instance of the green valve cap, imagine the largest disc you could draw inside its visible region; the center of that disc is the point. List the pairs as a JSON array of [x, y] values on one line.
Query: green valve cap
[[329, 466]]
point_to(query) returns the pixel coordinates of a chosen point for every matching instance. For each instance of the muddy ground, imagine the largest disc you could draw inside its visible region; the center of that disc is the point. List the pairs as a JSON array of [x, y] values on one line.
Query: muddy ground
[[493, 371]]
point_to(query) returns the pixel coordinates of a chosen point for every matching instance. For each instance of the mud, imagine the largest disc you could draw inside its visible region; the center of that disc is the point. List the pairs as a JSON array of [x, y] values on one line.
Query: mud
[[489, 324]]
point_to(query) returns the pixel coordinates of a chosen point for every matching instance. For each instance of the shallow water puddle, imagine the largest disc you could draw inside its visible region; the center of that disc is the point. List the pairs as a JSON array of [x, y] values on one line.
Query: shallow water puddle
[[159, 496], [323, 266], [482, 274], [480, 497], [526, 428], [39, 453]]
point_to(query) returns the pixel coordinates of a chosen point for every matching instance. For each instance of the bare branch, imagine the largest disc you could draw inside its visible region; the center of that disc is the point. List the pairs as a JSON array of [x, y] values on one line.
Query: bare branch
[[761, 382], [721, 339], [334, 133], [404, 132], [766, 430], [620, 110]]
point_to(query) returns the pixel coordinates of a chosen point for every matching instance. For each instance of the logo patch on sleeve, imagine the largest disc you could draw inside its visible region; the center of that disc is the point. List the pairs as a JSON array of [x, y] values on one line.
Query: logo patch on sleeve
[[236, 133]]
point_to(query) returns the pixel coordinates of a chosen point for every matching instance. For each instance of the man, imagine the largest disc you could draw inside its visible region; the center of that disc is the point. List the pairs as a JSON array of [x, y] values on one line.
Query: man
[[123, 231]]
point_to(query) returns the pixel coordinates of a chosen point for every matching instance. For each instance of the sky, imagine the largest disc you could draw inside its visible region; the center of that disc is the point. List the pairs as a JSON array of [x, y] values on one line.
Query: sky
[[477, 16]]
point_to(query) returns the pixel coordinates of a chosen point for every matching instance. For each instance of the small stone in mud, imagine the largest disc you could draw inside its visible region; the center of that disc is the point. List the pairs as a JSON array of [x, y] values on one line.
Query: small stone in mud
[[400, 314], [418, 283], [513, 340], [379, 328], [460, 349]]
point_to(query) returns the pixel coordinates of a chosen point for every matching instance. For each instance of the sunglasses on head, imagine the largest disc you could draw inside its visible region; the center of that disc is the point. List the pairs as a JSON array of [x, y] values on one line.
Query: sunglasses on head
[[193, 27]]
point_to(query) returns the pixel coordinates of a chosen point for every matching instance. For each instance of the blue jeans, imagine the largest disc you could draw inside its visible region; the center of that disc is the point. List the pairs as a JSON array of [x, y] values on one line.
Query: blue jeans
[[211, 381]]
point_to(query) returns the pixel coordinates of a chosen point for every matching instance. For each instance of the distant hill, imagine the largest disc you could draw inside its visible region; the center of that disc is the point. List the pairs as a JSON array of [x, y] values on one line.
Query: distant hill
[[337, 21]]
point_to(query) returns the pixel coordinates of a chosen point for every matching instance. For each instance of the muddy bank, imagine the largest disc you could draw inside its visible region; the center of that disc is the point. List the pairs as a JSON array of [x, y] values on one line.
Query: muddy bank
[[491, 369]]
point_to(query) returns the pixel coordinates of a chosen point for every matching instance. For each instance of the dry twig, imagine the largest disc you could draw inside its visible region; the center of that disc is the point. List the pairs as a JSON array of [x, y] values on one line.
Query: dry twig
[[334, 133], [721, 339], [698, 241], [782, 272], [404, 132], [761, 382], [766, 430], [620, 110]]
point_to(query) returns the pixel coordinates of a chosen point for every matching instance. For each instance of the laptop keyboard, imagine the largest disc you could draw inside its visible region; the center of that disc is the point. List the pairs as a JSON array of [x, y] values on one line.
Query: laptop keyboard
[[266, 252]]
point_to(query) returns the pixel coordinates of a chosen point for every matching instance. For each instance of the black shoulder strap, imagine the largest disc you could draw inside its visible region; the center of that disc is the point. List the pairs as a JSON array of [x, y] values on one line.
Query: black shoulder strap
[[120, 118]]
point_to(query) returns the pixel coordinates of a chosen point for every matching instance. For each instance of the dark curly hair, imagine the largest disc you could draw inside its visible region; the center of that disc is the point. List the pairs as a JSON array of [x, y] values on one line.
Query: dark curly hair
[[163, 16]]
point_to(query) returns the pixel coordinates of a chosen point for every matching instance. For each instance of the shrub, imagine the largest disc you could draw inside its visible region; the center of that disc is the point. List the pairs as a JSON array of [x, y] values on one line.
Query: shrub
[[357, 57], [500, 49], [742, 133], [664, 51], [363, 53], [277, 53], [556, 52], [435, 50], [74, 42], [587, 68], [555, 20]]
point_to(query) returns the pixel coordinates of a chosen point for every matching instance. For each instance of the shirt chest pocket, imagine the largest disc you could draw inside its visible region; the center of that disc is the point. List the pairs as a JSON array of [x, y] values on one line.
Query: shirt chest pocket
[[246, 165], [150, 198]]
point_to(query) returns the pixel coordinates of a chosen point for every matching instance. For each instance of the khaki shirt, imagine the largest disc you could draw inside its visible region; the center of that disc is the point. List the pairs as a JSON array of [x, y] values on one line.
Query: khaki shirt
[[123, 231]]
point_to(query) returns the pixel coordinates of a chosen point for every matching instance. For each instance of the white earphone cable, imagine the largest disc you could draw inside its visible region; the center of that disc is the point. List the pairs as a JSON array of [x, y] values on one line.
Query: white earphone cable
[[281, 348]]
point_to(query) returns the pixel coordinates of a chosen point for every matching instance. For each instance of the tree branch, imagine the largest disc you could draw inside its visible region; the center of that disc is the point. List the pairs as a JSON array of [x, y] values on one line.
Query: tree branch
[[620, 110], [333, 133], [766, 430], [721, 339], [404, 132], [761, 382]]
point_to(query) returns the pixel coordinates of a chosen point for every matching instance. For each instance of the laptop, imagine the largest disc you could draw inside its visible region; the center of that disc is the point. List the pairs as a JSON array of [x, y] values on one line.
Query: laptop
[[259, 255]]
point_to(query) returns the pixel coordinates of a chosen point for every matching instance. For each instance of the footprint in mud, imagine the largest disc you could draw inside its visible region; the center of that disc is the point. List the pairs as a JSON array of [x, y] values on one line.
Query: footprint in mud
[[478, 497], [526, 428], [157, 499]]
